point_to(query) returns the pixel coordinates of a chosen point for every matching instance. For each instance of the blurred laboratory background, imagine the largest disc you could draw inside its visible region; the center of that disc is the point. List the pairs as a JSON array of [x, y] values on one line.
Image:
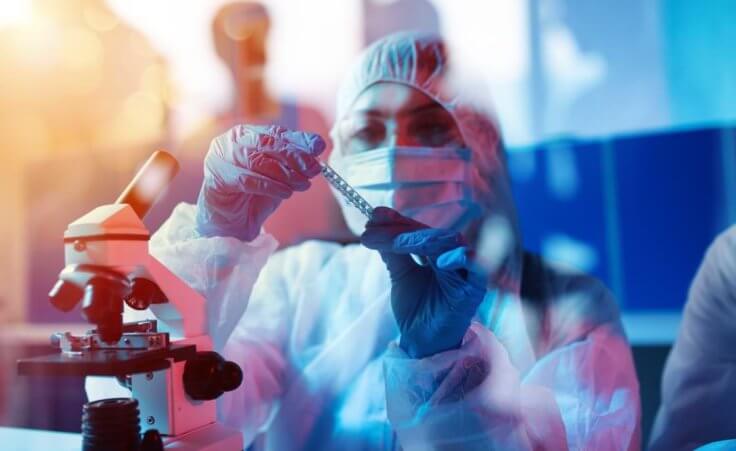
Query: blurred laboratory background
[[619, 117]]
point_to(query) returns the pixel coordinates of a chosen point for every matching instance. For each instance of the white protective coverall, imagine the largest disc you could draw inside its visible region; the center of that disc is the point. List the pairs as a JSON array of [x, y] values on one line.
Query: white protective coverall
[[699, 382], [544, 365]]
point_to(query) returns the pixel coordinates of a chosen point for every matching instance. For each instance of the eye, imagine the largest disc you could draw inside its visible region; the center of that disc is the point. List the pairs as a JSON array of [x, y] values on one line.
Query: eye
[[369, 133], [363, 134], [434, 130]]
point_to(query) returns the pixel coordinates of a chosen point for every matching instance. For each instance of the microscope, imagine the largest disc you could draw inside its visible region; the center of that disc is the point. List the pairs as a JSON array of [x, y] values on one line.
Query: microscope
[[167, 363]]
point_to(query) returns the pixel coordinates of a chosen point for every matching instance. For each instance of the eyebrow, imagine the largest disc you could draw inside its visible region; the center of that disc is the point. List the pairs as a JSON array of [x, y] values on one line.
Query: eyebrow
[[417, 109], [426, 107]]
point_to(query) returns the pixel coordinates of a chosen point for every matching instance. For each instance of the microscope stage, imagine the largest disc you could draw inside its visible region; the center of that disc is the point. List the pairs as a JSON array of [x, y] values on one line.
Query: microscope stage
[[105, 362]]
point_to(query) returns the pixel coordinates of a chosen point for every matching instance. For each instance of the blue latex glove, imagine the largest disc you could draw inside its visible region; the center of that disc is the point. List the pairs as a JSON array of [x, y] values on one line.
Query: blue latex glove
[[248, 171], [433, 304]]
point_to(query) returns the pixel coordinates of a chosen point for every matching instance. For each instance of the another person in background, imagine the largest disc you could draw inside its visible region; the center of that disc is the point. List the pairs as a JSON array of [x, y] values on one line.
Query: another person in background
[[240, 36], [699, 381], [382, 18]]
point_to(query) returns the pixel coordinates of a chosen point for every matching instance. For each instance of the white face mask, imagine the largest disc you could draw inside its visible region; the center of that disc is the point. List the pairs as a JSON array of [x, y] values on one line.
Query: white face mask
[[430, 185]]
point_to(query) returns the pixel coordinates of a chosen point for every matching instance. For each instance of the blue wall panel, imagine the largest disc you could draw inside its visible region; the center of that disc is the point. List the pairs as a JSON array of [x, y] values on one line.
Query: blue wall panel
[[646, 205], [669, 198]]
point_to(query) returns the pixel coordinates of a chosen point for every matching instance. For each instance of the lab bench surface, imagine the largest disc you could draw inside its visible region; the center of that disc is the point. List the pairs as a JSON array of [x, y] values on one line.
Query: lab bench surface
[[18, 439]]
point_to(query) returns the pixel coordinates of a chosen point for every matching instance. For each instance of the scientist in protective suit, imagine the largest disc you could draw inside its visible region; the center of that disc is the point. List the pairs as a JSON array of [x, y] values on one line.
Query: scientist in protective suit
[[359, 347]]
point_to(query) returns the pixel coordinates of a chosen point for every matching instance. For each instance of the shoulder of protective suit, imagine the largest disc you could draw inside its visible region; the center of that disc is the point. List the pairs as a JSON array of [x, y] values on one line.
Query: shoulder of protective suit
[[712, 290], [728, 235], [571, 304], [723, 248]]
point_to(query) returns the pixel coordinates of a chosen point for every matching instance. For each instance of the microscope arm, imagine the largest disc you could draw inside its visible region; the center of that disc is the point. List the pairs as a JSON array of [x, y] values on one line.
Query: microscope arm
[[185, 313]]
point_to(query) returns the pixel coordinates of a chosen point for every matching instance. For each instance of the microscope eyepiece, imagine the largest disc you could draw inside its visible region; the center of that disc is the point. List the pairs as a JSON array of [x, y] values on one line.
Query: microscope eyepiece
[[149, 182]]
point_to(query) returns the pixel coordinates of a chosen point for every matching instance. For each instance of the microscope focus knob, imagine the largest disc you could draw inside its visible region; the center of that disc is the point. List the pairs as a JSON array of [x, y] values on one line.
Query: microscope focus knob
[[208, 375]]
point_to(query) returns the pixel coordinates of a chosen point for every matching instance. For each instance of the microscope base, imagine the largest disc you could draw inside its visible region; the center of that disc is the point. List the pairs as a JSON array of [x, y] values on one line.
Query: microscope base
[[209, 438], [213, 437]]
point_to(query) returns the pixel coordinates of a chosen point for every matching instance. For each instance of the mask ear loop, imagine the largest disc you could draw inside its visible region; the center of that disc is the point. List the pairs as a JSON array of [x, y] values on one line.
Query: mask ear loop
[[356, 200]]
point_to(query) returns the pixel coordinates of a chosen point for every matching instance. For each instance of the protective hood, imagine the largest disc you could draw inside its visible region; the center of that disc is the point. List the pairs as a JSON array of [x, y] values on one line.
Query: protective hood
[[420, 61]]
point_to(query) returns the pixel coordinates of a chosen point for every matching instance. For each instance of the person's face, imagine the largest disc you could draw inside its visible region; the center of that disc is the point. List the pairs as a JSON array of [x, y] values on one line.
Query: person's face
[[252, 45], [392, 114], [241, 44]]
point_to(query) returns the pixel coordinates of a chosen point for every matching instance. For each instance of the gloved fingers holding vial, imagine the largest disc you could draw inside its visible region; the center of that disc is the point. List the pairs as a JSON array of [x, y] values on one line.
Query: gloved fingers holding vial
[[248, 171], [432, 304]]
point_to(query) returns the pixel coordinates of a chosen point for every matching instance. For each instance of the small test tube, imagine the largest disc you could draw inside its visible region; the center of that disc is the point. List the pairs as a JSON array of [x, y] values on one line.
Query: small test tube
[[356, 200], [347, 191]]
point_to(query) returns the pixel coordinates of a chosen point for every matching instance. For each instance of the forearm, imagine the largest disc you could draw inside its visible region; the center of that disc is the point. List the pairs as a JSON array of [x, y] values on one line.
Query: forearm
[[474, 398], [223, 270], [460, 399]]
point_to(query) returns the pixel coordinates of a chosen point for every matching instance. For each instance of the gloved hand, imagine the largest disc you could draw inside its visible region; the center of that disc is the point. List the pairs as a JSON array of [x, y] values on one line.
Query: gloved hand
[[432, 304], [248, 171]]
